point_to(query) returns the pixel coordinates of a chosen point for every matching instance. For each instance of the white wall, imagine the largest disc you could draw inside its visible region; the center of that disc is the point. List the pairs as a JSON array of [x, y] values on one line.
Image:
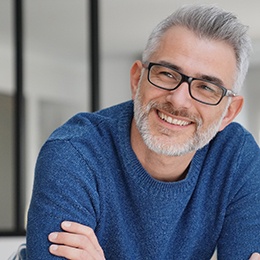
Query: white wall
[[115, 85], [60, 84]]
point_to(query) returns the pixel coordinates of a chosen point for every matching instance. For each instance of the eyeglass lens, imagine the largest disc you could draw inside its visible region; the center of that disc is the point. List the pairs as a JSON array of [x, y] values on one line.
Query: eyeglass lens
[[201, 90]]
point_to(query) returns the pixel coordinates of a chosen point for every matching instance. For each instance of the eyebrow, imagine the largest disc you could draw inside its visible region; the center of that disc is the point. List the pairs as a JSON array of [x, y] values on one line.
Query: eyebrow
[[209, 78], [212, 79], [170, 65]]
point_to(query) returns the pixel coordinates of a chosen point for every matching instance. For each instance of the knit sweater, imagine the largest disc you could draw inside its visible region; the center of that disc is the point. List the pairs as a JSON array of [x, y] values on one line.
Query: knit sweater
[[87, 172]]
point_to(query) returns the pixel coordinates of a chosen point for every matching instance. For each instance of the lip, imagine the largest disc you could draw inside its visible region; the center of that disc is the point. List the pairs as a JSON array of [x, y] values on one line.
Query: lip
[[173, 120]]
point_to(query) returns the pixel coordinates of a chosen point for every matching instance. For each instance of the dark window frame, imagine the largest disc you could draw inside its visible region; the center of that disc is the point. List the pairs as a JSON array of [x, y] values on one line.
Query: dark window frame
[[19, 104]]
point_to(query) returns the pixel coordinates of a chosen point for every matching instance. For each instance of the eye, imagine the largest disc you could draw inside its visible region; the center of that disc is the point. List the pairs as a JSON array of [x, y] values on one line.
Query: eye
[[207, 88], [166, 74]]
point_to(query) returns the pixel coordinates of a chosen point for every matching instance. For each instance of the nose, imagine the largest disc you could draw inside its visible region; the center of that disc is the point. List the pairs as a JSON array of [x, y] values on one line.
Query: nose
[[180, 97]]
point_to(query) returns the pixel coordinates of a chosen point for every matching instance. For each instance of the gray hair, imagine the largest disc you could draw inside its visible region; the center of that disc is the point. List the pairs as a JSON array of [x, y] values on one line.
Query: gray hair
[[210, 22]]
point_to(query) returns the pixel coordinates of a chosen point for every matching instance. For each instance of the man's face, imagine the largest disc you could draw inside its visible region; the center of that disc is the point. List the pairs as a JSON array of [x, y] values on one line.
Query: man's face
[[171, 122]]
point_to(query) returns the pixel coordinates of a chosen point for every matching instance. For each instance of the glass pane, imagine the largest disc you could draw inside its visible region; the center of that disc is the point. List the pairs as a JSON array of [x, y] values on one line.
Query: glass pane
[[7, 190], [56, 70]]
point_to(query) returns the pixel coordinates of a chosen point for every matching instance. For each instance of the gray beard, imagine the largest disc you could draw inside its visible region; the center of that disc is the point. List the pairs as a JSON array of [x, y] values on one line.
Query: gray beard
[[156, 143]]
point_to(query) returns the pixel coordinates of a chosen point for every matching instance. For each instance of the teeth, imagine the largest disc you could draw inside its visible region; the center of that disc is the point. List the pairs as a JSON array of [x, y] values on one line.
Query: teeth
[[172, 121]]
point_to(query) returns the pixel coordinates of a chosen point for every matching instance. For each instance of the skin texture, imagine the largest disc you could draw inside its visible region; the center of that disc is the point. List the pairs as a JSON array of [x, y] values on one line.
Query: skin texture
[[194, 57]]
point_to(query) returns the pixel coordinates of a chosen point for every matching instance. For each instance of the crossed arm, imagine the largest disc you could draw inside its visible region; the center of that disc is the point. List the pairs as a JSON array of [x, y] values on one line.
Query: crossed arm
[[80, 242], [76, 242]]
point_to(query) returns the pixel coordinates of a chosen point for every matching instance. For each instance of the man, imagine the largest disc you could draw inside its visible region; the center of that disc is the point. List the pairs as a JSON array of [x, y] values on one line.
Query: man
[[170, 177]]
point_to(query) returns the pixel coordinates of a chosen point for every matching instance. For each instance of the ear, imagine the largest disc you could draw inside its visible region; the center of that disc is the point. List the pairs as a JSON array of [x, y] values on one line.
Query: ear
[[233, 110], [135, 75]]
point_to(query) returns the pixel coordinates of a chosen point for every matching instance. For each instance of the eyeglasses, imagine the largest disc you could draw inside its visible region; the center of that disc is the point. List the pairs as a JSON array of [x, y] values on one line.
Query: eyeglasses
[[204, 91]]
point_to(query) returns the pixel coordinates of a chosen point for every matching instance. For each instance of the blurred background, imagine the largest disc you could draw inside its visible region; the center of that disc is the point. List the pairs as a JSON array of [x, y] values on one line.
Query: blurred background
[[56, 82]]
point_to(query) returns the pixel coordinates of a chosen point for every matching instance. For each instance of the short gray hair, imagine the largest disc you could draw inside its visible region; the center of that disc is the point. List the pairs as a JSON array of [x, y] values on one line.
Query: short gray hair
[[211, 22]]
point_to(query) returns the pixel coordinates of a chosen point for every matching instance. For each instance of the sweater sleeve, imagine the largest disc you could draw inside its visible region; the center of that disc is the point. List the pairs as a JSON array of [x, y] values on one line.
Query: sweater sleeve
[[240, 235], [64, 189]]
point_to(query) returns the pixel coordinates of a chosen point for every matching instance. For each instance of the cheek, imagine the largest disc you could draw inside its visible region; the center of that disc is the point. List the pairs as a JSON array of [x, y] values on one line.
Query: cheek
[[211, 115], [142, 94], [150, 93]]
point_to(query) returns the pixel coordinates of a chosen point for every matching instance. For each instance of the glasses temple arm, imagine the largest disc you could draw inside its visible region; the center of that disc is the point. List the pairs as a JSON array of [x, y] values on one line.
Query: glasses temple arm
[[230, 93]]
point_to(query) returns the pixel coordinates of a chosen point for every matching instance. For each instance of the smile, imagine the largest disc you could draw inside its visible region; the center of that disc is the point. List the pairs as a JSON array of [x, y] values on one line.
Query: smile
[[173, 121]]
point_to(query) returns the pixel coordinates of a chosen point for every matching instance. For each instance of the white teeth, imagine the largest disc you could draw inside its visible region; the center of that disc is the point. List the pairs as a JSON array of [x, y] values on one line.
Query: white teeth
[[172, 121]]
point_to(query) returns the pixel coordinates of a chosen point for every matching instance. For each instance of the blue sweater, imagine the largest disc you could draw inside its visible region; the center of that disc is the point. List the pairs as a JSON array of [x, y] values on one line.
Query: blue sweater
[[87, 172]]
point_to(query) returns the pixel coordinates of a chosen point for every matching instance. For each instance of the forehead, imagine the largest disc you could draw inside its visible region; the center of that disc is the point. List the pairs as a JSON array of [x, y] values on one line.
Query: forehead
[[196, 56]]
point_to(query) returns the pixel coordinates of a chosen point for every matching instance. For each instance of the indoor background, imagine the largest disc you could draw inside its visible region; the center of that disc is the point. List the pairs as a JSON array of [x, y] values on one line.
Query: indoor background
[[56, 76]]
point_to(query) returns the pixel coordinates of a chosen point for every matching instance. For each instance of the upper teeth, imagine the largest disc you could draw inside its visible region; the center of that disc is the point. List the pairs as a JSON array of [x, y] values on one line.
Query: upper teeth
[[171, 120]]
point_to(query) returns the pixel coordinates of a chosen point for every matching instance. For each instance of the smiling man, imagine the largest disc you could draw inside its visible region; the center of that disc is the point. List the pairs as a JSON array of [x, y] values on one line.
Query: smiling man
[[167, 175], [174, 121]]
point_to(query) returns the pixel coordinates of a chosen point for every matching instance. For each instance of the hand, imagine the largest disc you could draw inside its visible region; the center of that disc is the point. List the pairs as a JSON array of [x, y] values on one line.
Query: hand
[[255, 256], [78, 242]]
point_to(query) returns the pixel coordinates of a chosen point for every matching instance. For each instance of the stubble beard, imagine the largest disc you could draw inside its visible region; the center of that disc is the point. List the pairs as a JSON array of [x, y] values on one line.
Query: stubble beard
[[162, 143]]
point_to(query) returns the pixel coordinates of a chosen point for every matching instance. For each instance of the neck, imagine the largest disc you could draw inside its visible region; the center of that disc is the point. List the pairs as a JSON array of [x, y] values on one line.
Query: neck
[[161, 167]]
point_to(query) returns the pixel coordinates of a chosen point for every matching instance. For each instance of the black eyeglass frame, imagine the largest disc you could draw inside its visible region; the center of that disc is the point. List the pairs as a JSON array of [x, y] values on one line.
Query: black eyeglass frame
[[184, 78]]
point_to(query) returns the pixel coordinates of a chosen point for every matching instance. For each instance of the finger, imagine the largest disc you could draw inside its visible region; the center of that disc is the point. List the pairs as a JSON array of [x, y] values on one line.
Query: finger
[[255, 256], [73, 253], [77, 228], [65, 244]]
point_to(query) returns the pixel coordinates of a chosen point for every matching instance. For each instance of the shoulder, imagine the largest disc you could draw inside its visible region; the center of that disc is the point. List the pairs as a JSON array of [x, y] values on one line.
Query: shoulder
[[232, 154], [235, 154], [230, 165], [88, 138], [236, 138], [234, 130], [94, 124]]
